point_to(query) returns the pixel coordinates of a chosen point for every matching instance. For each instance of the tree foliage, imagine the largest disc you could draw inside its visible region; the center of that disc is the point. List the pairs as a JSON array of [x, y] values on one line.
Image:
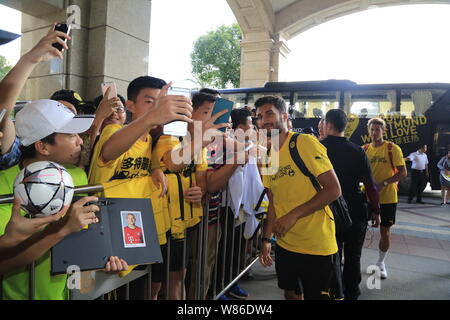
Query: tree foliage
[[216, 57], [4, 67]]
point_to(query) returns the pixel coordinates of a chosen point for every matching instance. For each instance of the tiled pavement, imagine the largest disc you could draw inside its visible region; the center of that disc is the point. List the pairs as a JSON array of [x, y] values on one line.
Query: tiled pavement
[[418, 262]]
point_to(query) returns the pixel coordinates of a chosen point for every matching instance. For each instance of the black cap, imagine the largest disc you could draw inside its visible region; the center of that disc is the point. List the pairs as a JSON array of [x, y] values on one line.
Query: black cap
[[70, 96], [6, 36]]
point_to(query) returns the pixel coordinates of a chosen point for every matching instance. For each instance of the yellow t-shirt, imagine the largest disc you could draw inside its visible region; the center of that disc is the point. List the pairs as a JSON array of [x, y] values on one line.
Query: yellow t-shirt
[[132, 165], [382, 168], [314, 234], [135, 162], [188, 214]]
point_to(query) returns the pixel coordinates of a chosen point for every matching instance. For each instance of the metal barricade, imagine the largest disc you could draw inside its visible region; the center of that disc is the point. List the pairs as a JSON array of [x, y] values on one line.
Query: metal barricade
[[244, 260]]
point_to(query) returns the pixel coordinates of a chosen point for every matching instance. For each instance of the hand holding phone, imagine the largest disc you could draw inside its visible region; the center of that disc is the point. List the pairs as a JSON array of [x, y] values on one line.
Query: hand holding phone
[[220, 105], [112, 89], [65, 28], [177, 128]]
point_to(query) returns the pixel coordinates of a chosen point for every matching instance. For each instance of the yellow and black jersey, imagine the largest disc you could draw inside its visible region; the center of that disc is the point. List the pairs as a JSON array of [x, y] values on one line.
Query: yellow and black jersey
[[314, 234]]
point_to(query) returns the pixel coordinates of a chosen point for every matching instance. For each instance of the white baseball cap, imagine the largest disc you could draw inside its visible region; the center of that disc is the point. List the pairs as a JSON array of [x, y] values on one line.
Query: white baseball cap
[[39, 119]]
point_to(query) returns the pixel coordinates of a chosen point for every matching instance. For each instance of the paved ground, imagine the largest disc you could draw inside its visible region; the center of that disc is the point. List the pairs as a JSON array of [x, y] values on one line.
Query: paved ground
[[418, 262]]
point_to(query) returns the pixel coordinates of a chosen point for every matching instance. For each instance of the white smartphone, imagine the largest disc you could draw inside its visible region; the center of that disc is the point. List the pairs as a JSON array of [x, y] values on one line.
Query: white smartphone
[[177, 128], [112, 91], [2, 114]]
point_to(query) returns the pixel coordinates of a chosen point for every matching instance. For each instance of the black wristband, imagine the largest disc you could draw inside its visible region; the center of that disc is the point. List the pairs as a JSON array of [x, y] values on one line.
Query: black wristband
[[264, 239]]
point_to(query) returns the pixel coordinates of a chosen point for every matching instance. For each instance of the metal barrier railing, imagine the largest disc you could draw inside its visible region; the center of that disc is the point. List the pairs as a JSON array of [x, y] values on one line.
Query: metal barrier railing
[[239, 261]]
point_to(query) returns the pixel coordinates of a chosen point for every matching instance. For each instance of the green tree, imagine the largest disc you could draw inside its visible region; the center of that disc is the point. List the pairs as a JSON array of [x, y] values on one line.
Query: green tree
[[216, 57], [4, 67]]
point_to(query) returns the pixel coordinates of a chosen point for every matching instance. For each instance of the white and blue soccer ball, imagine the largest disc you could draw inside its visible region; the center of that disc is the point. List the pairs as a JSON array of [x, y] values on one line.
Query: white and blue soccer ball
[[44, 188]]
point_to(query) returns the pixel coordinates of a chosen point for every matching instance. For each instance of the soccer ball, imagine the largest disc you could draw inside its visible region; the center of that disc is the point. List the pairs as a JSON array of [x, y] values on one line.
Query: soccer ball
[[44, 188]]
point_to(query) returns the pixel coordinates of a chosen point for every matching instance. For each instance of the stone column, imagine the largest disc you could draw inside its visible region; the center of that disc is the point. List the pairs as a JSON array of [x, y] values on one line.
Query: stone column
[[118, 43], [278, 59], [112, 44], [261, 59]]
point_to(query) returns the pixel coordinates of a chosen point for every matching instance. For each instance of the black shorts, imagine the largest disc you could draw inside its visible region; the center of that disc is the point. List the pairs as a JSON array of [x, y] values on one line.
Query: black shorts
[[159, 269], [175, 262], [305, 274], [388, 212]]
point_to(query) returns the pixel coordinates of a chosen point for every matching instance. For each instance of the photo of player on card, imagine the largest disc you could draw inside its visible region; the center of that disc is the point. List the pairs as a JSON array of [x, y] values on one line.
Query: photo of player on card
[[133, 234]]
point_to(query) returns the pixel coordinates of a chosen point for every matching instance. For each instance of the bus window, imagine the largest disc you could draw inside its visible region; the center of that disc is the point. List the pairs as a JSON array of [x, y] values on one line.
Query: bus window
[[252, 97], [309, 104], [237, 98], [416, 102], [370, 104]]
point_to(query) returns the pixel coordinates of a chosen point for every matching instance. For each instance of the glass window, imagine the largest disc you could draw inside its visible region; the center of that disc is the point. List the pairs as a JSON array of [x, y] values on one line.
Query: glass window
[[252, 97], [309, 104], [237, 98], [370, 103], [416, 102]]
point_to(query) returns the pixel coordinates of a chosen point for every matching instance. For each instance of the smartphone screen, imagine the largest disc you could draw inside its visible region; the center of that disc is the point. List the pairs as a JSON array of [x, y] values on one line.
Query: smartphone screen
[[177, 128], [63, 27], [112, 91], [223, 104]]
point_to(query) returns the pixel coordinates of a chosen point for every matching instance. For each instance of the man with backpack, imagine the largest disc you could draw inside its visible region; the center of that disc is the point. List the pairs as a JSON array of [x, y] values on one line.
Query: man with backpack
[[298, 214], [388, 168], [352, 167]]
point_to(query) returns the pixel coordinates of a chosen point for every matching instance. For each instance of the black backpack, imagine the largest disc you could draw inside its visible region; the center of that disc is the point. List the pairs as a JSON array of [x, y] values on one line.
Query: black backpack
[[339, 207]]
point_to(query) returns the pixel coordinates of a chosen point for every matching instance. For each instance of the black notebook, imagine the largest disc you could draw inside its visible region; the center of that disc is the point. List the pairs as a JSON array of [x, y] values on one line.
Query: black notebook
[[126, 229]]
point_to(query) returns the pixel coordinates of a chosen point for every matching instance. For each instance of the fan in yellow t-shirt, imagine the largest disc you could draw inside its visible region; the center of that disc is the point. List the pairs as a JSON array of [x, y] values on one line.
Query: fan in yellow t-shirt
[[388, 168], [182, 184], [124, 154], [298, 215], [185, 165]]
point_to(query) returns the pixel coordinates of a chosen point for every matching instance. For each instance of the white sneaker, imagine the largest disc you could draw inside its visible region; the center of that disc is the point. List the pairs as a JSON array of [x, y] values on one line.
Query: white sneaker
[[383, 271]]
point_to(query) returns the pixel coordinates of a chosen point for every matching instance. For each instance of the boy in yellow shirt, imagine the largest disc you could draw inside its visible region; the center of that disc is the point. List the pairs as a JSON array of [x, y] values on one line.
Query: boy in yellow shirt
[[186, 183], [125, 153], [388, 168]]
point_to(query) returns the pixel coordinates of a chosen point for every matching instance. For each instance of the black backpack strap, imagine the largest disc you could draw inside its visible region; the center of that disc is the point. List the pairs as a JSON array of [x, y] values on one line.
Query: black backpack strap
[[180, 194], [260, 200], [299, 162]]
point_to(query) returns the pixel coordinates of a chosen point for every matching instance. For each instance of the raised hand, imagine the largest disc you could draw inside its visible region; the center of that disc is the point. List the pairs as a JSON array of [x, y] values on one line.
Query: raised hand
[[209, 131], [170, 108], [44, 50], [107, 106]]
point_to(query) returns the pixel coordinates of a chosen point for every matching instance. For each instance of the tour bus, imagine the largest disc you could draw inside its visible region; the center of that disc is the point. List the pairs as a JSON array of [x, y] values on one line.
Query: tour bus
[[415, 113]]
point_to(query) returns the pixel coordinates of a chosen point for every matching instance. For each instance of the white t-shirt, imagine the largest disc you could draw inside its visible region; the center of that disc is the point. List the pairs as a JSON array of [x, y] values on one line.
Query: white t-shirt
[[419, 160]]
